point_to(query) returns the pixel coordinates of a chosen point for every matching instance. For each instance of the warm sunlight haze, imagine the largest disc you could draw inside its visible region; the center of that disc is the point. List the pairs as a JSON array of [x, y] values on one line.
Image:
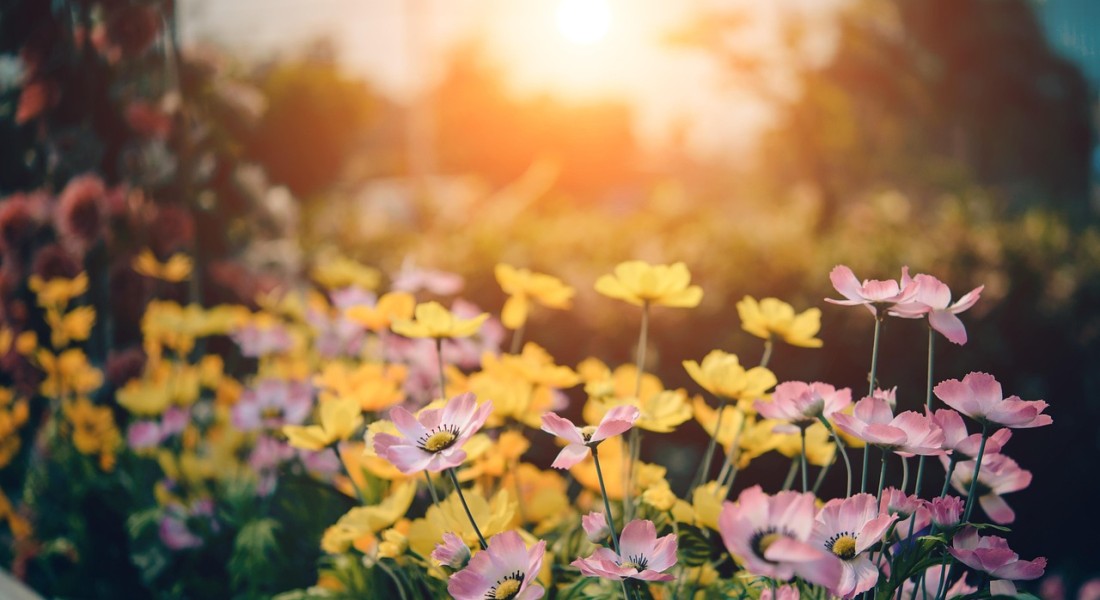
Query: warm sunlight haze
[[583, 21]]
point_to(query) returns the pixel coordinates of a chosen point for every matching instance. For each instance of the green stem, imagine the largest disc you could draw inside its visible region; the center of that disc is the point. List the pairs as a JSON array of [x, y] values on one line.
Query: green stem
[[442, 377], [947, 476], [393, 576], [517, 338], [606, 502], [805, 475], [708, 456], [843, 453], [881, 475], [790, 474], [927, 405], [469, 515], [977, 470], [871, 392], [635, 433], [766, 358], [904, 473], [431, 488]]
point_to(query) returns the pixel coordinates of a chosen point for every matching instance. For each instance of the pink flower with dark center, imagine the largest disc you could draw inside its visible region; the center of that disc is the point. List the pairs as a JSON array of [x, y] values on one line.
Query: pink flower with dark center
[[907, 434], [595, 527], [801, 404], [452, 552], [957, 440], [933, 298], [873, 294], [946, 511], [273, 403], [770, 535], [979, 397], [505, 570], [641, 555], [991, 554], [848, 528], [582, 439], [911, 511], [999, 475], [433, 439]]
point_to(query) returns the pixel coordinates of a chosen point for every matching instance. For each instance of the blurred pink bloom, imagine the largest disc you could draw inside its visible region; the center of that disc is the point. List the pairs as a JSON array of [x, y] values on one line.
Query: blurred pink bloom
[[911, 510], [641, 555], [345, 298], [872, 293], [581, 439], [335, 336], [143, 435], [595, 527], [269, 453], [1090, 590], [848, 528], [931, 584], [770, 535], [147, 119], [999, 475], [957, 440], [783, 592], [1053, 587], [933, 298], [802, 403], [320, 462], [991, 554], [261, 341], [81, 211], [906, 434], [412, 279], [506, 569], [452, 551], [946, 511], [272, 403], [175, 535], [433, 440], [979, 397], [174, 421]]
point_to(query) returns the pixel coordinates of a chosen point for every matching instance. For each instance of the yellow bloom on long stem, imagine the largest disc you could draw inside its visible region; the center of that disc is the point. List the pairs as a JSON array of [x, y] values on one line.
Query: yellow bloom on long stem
[[393, 306], [367, 520], [641, 283], [342, 272], [340, 418], [772, 317], [820, 448], [432, 320], [174, 270], [522, 286], [721, 374], [492, 516], [732, 421]]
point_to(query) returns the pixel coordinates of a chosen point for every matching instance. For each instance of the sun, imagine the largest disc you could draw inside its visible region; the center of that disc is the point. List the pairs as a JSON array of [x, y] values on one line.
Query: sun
[[584, 21]]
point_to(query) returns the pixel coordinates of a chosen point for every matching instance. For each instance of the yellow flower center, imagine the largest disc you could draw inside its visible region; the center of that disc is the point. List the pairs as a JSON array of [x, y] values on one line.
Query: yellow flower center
[[767, 541], [440, 440], [763, 539], [507, 589], [844, 547], [588, 431]]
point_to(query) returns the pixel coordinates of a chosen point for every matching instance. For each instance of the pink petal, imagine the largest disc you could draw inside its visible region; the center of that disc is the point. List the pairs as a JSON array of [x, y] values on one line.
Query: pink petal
[[949, 325], [561, 427], [1022, 569], [880, 291], [845, 282], [967, 300], [616, 421], [570, 455], [638, 538], [406, 423], [663, 554], [998, 510]]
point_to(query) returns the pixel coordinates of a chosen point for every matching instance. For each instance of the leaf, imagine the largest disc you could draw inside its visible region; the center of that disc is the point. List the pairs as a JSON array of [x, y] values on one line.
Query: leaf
[[693, 546]]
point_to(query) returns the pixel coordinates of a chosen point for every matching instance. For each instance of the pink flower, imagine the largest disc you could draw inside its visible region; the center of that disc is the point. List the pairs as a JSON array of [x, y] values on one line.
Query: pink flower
[[641, 555], [273, 403], [581, 439], [433, 439], [999, 475], [802, 403], [911, 510], [81, 211], [933, 298], [978, 396], [770, 535], [946, 511], [260, 341], [452, 552], [957, 440], [175, 420], [143, 435], [848, 528], [873, 294], [931, 584], [991, 554], [412, 279], [784, 592], [175, 535], [595, 527], [506, 569], [906, 434], [1090, 590]]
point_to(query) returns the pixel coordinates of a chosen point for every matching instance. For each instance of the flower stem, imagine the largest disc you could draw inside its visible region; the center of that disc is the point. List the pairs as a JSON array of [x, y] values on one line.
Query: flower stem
[[950, 471], [469, 515], [805, 475], [766, 358], [606, 503], [790, 474], [431, 488], [635, 434], [517, 338], [977, 469], [871, 392], [881, 475], [904, 473], [442, 377], [708, 456], [927, 404], [843, 453]]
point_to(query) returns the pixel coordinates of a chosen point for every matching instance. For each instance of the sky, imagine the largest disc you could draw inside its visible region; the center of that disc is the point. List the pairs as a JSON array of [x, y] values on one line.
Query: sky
[[667, 87]]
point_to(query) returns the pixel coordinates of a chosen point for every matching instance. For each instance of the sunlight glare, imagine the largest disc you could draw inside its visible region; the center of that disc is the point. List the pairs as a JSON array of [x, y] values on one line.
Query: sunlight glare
[[584, 21]]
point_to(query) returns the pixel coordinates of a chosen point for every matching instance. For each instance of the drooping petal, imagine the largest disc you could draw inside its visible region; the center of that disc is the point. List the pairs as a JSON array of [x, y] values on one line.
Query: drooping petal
[[570, 455], [616, 421], [949, 325], [561, 427]]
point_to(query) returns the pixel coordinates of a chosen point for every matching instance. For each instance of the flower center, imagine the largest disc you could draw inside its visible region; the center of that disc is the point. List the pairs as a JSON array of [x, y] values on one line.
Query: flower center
[[587, 432], [842, 545], [506, 588], [638, 562], [271, 412], [438, 439], [763, 539]]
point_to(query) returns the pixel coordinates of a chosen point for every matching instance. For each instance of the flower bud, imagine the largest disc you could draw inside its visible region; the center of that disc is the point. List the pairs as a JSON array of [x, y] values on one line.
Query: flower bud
[[946, 511], [452, 552], [595, 527]]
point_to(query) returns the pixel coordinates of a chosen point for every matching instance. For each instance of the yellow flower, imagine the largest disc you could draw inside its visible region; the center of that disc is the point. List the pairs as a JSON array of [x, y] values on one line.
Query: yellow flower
[[58, 291], [611, 463], [773, 317], [601, 382], [175, 269], [147, 397], [93, 429], [722, 375], [369, 460], [758, 438], [492, 517], [367, 520], [389, 308], [74, 326], [340, 417], [374, 386], [659, 497], [706, 502], [341, 272], [733, 419], [432, 320], [819, 445], [522, 285], [534, 364], [661, 412], [13, 414], [394, 543], [542, 495], [26, 342], [6, 339], [68, 373], [640, 283]]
